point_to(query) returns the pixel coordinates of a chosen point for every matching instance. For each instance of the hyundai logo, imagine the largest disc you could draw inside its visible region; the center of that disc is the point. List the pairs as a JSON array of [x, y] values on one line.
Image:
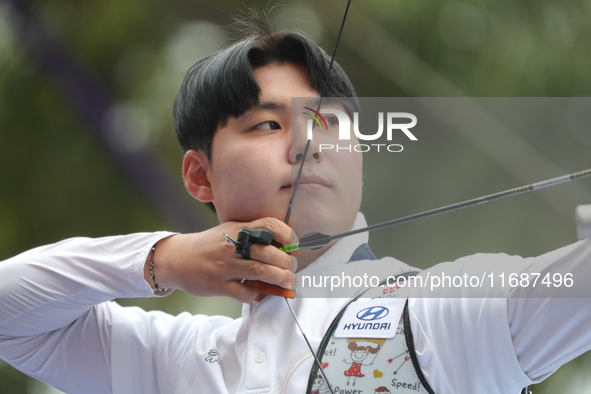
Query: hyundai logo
[[372, 313]]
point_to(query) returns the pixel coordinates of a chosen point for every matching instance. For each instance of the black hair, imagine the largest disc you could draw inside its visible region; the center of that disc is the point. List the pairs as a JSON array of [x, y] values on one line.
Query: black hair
[[223, 85]]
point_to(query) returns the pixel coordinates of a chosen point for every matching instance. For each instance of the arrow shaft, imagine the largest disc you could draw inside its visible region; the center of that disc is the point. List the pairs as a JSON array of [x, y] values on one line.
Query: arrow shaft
[[448, 208]]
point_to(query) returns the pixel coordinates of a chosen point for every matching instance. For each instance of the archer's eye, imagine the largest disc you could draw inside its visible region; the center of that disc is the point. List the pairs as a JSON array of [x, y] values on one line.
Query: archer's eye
[[268, 125], [332, 120]]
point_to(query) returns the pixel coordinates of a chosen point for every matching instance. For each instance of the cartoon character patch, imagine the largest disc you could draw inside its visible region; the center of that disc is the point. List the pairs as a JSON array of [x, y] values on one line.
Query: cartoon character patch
[[358, 355]]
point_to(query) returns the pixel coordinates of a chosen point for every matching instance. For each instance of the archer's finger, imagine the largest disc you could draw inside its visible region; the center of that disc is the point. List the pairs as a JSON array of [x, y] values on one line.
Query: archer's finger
[[282, 233], [272, 255], [241, 292], [256, 270]]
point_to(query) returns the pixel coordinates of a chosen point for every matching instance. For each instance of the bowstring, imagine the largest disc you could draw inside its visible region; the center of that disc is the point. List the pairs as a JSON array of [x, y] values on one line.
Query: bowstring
[[297, 182]]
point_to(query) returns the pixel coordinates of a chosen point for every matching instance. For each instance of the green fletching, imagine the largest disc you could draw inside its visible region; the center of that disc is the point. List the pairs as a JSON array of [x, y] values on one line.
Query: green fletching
[[290, 248]]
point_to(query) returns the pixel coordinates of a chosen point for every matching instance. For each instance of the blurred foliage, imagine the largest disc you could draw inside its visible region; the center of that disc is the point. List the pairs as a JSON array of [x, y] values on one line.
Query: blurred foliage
[[58, 181]]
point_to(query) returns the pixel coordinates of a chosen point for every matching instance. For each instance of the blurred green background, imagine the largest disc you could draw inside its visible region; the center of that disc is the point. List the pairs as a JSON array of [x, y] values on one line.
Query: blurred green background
[[87, 146]]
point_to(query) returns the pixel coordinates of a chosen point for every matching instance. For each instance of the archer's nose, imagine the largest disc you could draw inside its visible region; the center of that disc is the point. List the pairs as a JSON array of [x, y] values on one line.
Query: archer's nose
[[307, 149], [300, 156], [301, 145]]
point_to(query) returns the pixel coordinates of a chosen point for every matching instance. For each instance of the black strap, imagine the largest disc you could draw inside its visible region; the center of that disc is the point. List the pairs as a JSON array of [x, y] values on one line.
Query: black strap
[[410, 344]]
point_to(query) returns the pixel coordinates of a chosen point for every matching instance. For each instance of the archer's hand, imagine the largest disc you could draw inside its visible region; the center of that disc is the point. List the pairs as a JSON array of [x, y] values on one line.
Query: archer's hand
[[205, 264]]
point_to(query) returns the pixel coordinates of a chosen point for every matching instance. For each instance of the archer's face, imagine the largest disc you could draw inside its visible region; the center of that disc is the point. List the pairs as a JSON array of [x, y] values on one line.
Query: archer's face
[[255, 159]]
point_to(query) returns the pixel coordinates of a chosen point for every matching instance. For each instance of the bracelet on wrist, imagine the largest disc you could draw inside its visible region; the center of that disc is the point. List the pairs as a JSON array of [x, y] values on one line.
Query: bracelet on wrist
[[152, 265]]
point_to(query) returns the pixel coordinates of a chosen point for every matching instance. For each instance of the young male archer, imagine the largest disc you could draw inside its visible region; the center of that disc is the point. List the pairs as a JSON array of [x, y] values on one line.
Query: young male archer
[[234, 122]]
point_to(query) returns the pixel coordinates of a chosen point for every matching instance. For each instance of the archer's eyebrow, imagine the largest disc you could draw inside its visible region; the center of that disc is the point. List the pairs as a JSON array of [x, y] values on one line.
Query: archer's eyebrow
[[269, 106]]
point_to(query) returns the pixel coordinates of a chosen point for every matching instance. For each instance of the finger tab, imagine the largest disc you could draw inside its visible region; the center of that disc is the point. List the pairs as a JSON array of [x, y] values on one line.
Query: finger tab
[[274, 290]]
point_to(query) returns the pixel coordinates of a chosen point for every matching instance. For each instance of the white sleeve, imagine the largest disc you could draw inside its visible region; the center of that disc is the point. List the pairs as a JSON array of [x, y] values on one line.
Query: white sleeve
[[550, 327], [508, 337], [55, 318]]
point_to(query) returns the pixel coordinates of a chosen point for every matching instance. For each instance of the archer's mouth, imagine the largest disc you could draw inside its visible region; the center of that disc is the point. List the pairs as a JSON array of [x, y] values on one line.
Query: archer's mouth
[[309, 182]]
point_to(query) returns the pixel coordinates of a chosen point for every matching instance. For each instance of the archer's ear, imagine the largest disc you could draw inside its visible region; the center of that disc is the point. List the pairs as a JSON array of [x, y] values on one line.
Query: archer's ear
[[195, 175]]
